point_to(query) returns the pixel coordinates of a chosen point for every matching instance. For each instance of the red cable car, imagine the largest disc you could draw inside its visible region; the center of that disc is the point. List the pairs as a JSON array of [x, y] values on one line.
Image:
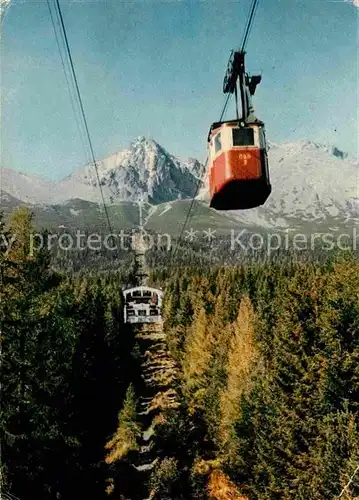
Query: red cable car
[[238, 164], [238, 175]]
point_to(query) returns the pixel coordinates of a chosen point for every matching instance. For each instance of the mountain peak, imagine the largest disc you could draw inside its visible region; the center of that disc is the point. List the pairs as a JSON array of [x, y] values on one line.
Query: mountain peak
[[144, 142], [141, 139], [310, 181]]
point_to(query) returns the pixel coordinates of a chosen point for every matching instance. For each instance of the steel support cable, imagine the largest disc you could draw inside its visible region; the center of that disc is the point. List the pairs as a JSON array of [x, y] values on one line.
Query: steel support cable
[[200, 181], [68, 50], [70, 87], [225, 107], [253, 9], [247, 20], [249, 23], [67, 72], [184, 225], [72, 92]]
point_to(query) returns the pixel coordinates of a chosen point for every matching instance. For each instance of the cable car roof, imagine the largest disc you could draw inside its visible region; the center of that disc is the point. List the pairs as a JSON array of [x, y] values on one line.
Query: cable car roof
[[216, 125], [143, 288]]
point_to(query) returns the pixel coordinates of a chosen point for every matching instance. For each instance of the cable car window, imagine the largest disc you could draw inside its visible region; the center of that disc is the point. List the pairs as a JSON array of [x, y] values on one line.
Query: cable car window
[[130, 312], [217, 143], [136, 293], [243, 137], [142, 312]]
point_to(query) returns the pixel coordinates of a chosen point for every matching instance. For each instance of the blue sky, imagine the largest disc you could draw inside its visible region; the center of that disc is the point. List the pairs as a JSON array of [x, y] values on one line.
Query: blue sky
[[155, 68]]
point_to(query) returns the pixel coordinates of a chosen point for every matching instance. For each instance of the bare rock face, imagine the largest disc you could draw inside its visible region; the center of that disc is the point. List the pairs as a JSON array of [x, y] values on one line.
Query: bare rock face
[[143, 171], [311, 184]]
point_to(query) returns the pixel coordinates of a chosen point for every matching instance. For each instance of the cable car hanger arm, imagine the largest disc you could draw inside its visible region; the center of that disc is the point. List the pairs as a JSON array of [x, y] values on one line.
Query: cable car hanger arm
[[236, 74]]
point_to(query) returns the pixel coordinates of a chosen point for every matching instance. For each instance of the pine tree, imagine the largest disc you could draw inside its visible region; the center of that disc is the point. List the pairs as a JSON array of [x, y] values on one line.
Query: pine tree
[[128, 431], [196, 359], [243, 366]]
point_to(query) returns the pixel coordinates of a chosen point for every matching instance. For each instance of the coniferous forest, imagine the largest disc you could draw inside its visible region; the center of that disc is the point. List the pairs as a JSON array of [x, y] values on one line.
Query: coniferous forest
[[267, 375]]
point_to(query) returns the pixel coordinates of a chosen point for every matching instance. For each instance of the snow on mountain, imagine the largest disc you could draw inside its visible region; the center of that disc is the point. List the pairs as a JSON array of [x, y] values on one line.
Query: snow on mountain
[[310, 183], [196, 168], [27, 188], [143, 171]]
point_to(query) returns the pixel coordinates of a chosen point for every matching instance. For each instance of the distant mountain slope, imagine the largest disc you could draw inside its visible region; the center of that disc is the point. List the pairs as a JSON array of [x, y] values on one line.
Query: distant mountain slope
[[144, 171], [8, 202], [311, 182], [313, 185], [27, 188], [166, 218]]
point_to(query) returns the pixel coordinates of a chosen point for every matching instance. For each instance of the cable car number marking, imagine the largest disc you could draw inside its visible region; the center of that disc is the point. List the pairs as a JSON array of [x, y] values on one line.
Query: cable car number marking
[[245, 157]]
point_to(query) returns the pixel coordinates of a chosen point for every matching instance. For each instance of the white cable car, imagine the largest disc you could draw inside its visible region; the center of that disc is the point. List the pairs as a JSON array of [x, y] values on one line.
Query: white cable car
[[143, 304]]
